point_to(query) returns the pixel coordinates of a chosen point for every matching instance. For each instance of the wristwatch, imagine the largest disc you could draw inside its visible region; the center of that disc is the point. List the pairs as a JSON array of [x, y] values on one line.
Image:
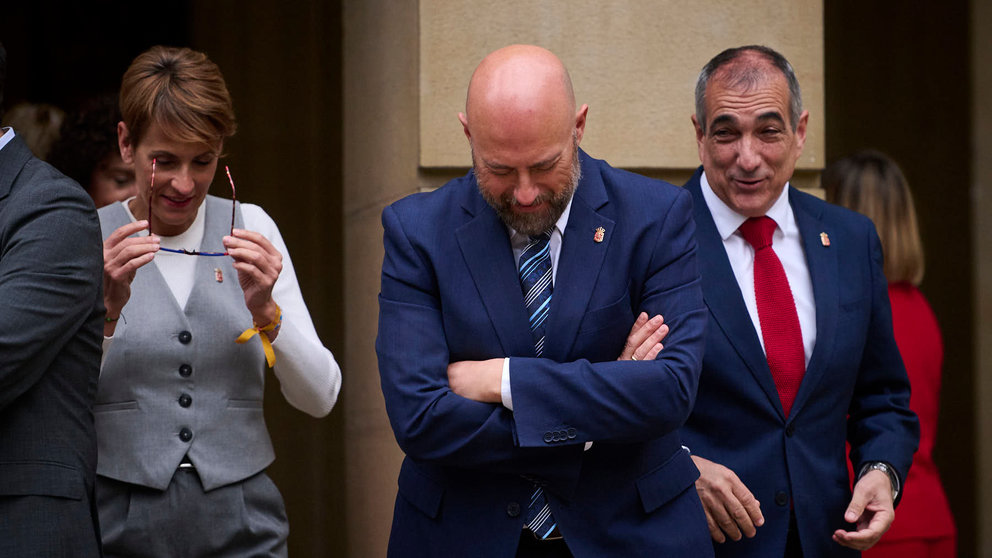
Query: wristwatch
[[888, 470]]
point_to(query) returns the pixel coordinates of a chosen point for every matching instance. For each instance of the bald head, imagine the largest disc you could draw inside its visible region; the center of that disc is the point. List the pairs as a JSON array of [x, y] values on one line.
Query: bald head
[[517, 87], [524, 131]]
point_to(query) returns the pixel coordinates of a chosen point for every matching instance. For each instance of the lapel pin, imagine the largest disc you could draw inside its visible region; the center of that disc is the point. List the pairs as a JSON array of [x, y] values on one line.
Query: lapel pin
[[219, 274], [824, 239], [600, 234]]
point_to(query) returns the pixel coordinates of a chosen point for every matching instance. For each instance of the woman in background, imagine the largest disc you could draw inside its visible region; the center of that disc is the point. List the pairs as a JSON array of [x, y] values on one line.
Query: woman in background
[[87, 151], [872, 184], [200, 294]]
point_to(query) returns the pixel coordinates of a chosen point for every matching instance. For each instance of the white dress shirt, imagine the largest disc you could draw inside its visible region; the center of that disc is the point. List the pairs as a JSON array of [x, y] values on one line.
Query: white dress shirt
[[8, 134], [788, 247], [308, 375]]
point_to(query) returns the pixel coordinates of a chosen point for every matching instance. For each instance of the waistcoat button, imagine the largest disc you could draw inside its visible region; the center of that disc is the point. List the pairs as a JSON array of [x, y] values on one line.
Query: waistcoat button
[[185, 337], [185, 371], [185, 400], [185, 434]]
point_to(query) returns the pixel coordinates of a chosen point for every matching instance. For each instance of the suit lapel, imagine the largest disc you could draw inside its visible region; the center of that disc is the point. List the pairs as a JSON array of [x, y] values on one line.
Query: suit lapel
[[822, 262], [726, 305], [13, 157], [485, 246], [579, 262]]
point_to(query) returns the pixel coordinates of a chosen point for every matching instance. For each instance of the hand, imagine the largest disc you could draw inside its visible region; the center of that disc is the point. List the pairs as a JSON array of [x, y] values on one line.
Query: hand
[[730, 507], [258, 264], [478, 380], [644, 340], [122, 256], [871, 509]]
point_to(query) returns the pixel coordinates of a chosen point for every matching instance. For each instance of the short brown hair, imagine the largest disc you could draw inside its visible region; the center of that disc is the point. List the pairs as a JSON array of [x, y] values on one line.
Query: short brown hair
[[872, 184], [181, 90]]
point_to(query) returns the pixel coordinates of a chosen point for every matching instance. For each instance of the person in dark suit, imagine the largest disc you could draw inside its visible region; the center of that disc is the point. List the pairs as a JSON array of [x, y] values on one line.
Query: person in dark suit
[[507, 296], [800, 355], [51, 264]]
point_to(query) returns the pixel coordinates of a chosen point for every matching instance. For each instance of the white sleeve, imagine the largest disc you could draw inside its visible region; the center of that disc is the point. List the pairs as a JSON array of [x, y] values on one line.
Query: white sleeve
[[105, 346], [504, 385], [308, 375]]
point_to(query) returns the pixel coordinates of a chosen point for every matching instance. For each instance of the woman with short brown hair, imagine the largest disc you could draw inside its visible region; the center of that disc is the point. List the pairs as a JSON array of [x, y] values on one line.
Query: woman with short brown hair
[[200, 295]]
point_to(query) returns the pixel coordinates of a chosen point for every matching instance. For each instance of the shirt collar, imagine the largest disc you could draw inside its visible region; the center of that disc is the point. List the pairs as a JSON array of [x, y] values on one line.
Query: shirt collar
[[8, 134], [728, 221]]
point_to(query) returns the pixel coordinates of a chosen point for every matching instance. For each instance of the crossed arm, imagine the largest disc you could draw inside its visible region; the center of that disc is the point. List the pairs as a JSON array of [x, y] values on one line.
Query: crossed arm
[[481, 380], [459, 422]]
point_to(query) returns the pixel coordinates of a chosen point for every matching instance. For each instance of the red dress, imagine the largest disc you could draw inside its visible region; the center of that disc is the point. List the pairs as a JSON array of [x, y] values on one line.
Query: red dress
[[923, 512]]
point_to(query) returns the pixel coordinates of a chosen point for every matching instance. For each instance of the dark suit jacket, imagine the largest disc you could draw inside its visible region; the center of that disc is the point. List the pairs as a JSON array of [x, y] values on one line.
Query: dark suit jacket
[[51, 307], [450, 292], [855, 388]]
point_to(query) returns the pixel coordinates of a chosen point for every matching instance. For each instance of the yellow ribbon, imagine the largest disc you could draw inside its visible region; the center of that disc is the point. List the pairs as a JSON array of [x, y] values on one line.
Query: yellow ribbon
[[270, 355]]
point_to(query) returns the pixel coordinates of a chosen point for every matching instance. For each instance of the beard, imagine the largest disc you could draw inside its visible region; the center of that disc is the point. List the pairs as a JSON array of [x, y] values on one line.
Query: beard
[[541, 221]]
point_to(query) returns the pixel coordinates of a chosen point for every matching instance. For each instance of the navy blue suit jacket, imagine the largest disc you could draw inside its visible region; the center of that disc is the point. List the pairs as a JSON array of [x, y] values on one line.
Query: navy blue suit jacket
[[855, 388], [450, 292], [51, 304]]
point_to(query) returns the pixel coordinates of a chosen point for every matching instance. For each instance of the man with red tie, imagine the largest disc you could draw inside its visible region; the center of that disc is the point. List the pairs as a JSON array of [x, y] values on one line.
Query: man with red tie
[[800, 356]]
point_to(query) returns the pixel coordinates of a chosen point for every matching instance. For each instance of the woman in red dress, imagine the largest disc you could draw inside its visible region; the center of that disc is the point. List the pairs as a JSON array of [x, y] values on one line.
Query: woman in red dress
[[872, 184]]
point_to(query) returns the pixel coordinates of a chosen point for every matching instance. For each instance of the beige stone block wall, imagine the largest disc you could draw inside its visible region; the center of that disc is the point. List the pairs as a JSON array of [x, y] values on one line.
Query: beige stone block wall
[[633, 62], [380, 166]]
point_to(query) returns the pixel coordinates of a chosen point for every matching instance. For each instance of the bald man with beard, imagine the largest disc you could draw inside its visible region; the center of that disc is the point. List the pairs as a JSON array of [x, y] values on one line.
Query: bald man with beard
[[521, 319]]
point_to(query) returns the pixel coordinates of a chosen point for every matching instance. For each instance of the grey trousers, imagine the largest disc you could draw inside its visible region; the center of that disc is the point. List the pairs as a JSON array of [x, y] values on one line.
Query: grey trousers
[[247, 518]]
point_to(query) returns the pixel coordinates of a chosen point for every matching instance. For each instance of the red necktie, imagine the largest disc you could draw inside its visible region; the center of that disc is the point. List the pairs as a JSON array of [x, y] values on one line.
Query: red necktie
[[776, 312]]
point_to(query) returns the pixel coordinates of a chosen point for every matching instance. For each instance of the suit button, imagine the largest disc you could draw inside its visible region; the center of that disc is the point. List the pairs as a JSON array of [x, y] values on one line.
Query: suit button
[[185, 337], [185, 434], [185, 371], [790, 430], [548, 438], [513, 509], [571, 433], [185, 400], [781, 498]]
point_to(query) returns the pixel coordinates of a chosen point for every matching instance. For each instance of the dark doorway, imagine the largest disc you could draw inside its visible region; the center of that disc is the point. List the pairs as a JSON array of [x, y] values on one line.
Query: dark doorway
[[898, 80], [61, 52]]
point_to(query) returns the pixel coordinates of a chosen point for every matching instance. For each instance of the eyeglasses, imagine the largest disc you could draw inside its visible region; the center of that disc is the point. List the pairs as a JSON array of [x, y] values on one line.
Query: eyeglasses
[[184, 251]]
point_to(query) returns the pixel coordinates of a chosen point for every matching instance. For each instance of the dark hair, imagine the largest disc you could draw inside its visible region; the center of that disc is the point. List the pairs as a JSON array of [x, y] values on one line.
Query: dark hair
[[89, 134], [872, 184], [748, 75]]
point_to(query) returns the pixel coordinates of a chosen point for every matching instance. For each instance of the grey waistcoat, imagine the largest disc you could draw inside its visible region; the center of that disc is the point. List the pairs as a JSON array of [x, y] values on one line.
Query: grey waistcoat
[[174, 382]]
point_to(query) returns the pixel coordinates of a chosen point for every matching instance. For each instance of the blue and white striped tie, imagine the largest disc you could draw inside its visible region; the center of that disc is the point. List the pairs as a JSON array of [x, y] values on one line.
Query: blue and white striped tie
[[535, 280]]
